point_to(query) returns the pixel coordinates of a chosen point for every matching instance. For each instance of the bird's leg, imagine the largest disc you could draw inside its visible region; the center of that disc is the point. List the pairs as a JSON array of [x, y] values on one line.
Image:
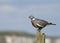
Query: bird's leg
[[38, 29]]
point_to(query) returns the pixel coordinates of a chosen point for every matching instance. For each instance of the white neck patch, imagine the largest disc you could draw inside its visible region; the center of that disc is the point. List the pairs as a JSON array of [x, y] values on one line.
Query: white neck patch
[[33, 19]]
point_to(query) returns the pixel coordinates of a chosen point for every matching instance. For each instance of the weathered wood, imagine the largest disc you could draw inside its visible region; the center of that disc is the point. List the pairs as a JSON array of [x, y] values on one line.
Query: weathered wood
[[40, 37]]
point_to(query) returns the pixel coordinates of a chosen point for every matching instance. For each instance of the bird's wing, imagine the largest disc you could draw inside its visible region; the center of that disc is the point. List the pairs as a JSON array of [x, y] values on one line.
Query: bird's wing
[[42, 20], [39, 25], [43, 23]]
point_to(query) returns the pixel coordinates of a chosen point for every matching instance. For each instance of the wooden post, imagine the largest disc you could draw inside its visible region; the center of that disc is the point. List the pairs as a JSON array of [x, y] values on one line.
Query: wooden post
[[40, 37]]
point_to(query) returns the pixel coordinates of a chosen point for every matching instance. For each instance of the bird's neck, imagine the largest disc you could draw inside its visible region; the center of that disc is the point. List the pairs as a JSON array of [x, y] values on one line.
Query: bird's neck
[[33, 19]]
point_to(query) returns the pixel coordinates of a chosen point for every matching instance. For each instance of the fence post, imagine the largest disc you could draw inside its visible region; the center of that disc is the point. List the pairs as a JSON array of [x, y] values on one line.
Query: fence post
[[40, 37]]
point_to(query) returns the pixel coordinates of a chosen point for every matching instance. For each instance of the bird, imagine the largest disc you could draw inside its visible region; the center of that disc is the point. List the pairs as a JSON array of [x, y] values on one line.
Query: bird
[[39, 23]]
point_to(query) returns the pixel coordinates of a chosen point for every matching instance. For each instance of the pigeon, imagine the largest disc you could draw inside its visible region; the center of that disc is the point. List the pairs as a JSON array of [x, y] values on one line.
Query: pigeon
[[39, 23]]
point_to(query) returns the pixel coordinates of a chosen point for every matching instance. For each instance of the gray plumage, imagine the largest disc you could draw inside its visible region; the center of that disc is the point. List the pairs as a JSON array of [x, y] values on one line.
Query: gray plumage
[[39, 23]]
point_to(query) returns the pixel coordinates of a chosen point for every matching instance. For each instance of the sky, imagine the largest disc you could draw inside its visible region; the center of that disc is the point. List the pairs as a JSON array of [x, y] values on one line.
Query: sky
[[14, 15]]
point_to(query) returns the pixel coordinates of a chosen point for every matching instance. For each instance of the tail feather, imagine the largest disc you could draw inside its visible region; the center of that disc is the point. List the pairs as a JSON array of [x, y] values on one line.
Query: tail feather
[[51, 24]]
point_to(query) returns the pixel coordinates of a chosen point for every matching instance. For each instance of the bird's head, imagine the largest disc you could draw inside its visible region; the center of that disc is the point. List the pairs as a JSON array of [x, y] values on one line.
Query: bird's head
[[31, 17]]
